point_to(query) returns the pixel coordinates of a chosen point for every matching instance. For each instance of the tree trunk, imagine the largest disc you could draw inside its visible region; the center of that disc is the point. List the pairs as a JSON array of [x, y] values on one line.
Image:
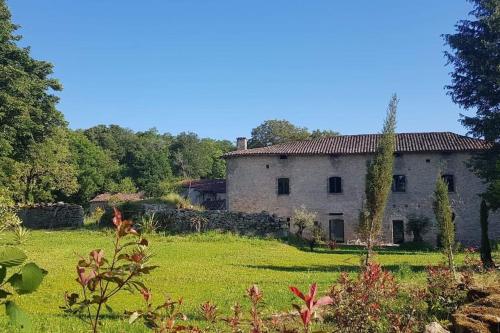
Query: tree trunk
[[486, 258]]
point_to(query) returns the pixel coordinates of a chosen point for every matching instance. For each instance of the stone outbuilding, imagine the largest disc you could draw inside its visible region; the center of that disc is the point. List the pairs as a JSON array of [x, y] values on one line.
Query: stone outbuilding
[[209, 193], [328, 175]]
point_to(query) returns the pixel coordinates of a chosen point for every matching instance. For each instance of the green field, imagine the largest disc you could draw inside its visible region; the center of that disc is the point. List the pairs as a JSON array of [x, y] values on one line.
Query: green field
[[216, 267]]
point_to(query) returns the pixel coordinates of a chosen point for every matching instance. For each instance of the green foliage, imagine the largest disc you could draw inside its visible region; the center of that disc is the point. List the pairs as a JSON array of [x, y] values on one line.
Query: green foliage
[[418, 225], [48, 170], [474, 55], [272, 132], [443, 213], [176, 201], [20, 234], [25, 281], [379, 180], [148, 223], [125, 185], [95, 170], [27, 103]]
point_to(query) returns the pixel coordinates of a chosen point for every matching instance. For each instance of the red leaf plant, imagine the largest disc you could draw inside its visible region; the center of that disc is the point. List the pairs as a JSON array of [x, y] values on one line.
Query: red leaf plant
[[311, 304], [100, 279]]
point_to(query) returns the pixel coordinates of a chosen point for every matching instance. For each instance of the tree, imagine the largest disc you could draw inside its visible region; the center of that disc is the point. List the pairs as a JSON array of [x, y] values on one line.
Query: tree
[[317, 134], [49, 170], [96, 171], [475, 57], [378, 181], [486, 258], [27, 104], [444, 218], [272, 132], [418, 225], [303, 219]]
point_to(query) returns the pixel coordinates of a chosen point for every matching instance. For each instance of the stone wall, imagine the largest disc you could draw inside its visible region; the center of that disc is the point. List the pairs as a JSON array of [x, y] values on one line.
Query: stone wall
[[51, 216], [252, 187], [180, 221]]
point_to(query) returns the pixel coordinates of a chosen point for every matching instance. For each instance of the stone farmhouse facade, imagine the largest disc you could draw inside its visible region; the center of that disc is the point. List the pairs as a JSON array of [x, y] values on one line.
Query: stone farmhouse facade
[[327, 176]]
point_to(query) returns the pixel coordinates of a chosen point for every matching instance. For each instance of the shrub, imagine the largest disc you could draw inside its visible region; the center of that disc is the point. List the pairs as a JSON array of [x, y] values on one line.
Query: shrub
[[303, 219], [21, 234], [198, 223], [175, 200], [311, 305], [163, 317], [362, 304], [100, 279], [418, 225], [148, 223], [444, 294]]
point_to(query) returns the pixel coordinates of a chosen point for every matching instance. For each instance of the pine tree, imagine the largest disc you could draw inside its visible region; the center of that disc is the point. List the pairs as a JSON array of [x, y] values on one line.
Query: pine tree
[[443, 213], [378, 182]]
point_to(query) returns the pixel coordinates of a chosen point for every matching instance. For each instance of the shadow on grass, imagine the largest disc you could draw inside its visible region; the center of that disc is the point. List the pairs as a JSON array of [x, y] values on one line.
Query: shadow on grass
[[332, 268]]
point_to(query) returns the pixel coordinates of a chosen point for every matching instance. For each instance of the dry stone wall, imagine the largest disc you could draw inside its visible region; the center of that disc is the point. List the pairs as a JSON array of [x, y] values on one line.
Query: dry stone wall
[[180, 221], [51, 216]]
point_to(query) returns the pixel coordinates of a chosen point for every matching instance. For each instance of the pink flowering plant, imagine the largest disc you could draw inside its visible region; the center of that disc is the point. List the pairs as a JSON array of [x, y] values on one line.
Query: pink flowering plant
[[100, 278]]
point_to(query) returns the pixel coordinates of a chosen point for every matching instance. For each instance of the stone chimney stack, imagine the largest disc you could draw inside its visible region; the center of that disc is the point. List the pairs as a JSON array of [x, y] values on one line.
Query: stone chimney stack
[[241, 143]]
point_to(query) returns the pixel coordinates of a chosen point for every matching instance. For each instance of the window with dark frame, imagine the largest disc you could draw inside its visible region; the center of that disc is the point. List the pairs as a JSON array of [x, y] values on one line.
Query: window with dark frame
[[334, 185], [450, 181], [399, 183], [283, 157], [283, 186]]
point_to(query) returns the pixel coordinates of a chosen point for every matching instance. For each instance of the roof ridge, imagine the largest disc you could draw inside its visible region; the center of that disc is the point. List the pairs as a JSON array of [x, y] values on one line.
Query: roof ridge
[[365, 143]]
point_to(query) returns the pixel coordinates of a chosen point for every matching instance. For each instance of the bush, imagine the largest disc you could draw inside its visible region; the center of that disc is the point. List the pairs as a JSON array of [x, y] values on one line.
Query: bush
[[177, 201], [416, 246], [418, 225]]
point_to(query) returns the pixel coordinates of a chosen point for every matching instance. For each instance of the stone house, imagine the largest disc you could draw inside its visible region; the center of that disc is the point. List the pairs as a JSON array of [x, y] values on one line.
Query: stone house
[[327, 176], [209, 193]]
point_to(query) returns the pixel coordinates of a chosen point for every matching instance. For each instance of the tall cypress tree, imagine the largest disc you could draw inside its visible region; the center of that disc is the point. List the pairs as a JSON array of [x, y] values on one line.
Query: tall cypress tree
[[378, 182], [486, 258], [444, 218]]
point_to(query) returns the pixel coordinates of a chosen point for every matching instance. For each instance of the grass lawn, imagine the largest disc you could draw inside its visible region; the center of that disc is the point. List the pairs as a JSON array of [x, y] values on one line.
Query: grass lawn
[[217, 267]]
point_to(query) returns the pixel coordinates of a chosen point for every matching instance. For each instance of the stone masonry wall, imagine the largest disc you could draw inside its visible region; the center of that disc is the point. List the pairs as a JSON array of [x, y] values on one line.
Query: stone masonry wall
[[252, 187], [51, 216], [179, 221]]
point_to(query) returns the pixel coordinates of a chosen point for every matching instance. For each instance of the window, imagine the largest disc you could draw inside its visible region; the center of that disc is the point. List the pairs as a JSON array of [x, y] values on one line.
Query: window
[[334, 185], [398, 232], [283, 157], [283, 186], [398, 183], [337, 230], [448, 179]]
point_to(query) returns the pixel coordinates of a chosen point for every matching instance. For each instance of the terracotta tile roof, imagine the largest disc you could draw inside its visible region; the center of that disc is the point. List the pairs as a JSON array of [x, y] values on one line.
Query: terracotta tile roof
[[206, 185], [367, 143], [105, 197]]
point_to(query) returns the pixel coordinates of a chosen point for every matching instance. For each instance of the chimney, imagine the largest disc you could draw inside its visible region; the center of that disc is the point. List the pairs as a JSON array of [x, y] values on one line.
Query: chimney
[[241, 143]]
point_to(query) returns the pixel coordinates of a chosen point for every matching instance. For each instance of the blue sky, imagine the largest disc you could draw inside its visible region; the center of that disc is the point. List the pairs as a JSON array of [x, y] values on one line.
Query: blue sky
[[219, 68]]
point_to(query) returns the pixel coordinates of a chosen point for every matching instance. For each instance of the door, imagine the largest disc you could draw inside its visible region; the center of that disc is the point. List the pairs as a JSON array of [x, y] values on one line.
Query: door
[[398, 232], [337, 230]]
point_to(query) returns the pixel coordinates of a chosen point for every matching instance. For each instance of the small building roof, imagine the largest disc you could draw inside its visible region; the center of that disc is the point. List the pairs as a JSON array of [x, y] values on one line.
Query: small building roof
[[206, 185], [367, 143], [106, 197]]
